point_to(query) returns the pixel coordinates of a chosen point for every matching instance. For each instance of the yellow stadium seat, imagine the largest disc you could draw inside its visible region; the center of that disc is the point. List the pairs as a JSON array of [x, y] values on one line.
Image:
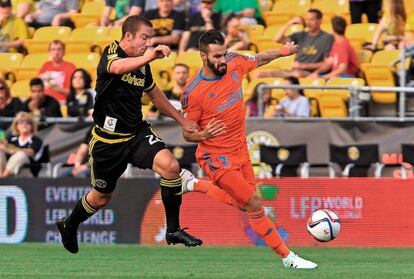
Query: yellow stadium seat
[[332, 106], [21, 89], [87, 39], [265, 42], [90, 13], [192, 59], [44, 35], [88, 61], [327, 27], [254, 32], [283, 11], [312, 93], [114, 34], [277, 94], [162, 70], [10, 61], [360, 33], [364, 56], [388, 57], [409, 6], [331, 8], [343, 94], [31, 65], [380, 76]]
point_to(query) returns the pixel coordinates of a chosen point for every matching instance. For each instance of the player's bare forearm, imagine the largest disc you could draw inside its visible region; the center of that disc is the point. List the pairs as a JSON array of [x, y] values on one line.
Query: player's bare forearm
[[267, 56], [195, 136], [214, 128], [159, 100], [129, 64]]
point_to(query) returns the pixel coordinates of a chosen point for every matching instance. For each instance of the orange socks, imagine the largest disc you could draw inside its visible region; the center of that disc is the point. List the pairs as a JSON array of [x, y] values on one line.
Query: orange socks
[[215, 192], [268, 232]]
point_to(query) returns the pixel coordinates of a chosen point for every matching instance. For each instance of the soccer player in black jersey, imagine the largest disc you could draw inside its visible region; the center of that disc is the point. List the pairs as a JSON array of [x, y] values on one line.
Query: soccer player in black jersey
[[120, 136]]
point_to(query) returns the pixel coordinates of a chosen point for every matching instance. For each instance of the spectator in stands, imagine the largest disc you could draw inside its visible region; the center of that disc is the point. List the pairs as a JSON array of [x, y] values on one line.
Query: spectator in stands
[[369, 7], [56, 74], [314, 44], [20, 148], [181, 73], [236, 38], [247, 10], [21, 8], [197, 23], [168, 24], [123, 9], [13, 30], [80, 99], [252, 104], [9, 106], [79, 160], [392, 24], [53, 13], [39, 104], [342, 61], [294, 104]]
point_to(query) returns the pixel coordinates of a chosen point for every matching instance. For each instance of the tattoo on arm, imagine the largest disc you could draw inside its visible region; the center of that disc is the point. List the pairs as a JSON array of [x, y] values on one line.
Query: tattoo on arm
[[267, 56]]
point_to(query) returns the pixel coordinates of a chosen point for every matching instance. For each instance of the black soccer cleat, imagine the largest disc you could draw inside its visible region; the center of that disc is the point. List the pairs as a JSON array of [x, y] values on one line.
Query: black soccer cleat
[[69, 238], [180, 236]]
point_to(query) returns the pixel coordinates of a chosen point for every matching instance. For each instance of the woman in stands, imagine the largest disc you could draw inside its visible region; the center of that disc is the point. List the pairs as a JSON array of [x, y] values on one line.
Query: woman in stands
[[9, 106], [80, 99], [252, 105], [294, 104], [20, 148], [392, 24]]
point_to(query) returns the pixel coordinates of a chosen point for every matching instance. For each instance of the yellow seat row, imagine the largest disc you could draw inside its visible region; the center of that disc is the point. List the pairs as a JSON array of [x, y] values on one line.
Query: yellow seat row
[[81, 39], [16, 67]]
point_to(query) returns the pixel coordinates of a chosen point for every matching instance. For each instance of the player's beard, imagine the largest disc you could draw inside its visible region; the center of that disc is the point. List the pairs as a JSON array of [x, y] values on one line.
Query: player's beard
[[217, 71]]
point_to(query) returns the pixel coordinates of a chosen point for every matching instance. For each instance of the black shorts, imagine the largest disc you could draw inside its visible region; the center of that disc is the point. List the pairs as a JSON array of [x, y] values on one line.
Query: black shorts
[[109, 155]]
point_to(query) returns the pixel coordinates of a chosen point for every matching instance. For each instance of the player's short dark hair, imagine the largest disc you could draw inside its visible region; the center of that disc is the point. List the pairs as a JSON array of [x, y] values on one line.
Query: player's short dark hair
[[133, 23], [36, 81], [209, 37], [182, 65], [317, 13], [338, 25]]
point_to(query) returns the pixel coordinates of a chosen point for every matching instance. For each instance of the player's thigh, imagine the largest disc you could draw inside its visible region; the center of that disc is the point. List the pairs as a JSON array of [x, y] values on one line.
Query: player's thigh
[[233, 182], [248, 174], [108, 162], [149, 153]]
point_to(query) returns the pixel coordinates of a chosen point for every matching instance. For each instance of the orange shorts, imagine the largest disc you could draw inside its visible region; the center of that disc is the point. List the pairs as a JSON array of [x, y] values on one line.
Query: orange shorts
[[231, 172]]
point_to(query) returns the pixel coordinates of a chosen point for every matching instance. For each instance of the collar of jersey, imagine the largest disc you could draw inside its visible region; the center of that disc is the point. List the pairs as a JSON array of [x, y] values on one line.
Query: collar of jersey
[[200, 74]]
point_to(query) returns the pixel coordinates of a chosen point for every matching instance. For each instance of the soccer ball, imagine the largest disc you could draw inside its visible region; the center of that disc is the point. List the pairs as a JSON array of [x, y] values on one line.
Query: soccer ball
[[324, 225]]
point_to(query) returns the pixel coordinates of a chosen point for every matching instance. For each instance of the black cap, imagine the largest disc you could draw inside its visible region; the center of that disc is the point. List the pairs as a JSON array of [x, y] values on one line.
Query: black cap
[[5, 3]]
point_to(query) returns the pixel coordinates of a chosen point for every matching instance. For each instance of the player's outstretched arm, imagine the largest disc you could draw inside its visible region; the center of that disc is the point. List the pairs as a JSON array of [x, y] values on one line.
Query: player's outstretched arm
[[159, 99], [129, 64], [267, 56], [214, 128]]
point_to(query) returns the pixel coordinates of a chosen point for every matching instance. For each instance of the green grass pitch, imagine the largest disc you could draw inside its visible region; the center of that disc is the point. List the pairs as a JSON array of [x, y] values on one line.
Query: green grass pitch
[[134, 261]]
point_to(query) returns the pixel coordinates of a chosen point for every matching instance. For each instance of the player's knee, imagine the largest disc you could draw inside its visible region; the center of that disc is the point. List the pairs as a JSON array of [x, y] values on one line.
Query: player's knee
[[170, 169], [253, 204]]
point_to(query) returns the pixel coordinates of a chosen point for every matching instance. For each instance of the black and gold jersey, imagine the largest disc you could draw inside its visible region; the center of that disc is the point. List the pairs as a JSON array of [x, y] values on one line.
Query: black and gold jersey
[[118, 107]]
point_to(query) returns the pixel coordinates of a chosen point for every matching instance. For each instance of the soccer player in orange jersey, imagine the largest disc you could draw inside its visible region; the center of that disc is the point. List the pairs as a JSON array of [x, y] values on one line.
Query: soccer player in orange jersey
[[214, 99]]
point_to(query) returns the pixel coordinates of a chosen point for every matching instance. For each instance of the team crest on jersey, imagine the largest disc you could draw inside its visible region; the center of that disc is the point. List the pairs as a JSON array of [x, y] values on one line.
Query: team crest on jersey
[[100, 183], [212, 95], [235, 76], [142, 69]]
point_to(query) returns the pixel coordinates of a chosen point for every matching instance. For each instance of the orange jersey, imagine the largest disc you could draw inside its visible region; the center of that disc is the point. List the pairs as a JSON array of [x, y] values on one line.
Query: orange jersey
[[220, 98]]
